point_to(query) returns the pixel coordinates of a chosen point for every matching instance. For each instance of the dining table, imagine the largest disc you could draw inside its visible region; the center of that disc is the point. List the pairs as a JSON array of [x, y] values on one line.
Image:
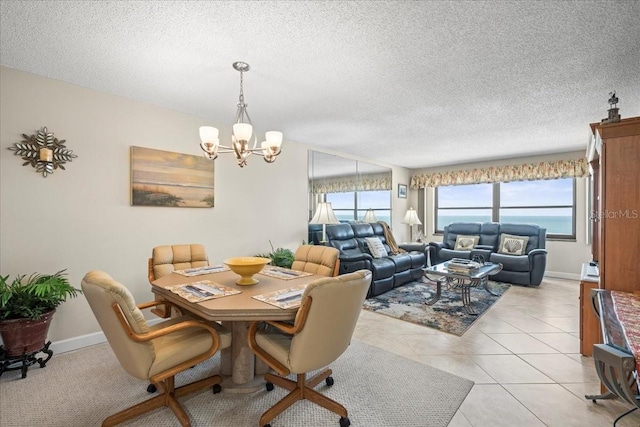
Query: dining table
[[238, 364]]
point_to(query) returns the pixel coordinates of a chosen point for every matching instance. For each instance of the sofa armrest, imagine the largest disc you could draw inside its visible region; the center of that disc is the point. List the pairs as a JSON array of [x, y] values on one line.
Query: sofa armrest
[[538, 263], [355, 257], [436, 245], [414, 246], [354, 262], [434, 249], [484, 247]]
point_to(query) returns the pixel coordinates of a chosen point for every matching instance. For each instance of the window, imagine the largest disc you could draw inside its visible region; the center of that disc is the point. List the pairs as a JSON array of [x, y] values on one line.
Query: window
[[352, 205], [548, 203]]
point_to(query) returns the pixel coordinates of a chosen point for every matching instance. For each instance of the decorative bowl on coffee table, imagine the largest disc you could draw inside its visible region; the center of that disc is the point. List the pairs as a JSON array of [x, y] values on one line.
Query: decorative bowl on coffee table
[[246, 267]]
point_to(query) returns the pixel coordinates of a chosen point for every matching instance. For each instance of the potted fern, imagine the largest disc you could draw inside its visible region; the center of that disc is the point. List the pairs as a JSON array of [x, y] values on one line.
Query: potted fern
[[27, 305]]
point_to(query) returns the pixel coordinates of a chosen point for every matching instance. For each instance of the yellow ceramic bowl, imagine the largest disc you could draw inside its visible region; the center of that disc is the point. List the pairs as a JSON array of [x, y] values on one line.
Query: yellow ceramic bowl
[[246, 267]]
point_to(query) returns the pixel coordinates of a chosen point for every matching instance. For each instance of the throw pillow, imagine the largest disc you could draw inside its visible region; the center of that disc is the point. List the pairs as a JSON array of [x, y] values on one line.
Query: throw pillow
[[465, 243], [376, 247], [512, 245]]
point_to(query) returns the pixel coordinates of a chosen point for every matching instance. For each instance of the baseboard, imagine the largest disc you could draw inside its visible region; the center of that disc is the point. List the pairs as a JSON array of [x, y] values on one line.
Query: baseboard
[[82, 341], [562, 275]]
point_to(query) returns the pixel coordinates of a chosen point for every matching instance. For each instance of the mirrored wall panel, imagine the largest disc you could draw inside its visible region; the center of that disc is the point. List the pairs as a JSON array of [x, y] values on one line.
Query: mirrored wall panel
[[357, 191]]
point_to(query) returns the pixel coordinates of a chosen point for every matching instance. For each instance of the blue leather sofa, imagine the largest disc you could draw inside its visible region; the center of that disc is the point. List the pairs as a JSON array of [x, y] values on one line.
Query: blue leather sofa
[[526, 269], [388, 272]]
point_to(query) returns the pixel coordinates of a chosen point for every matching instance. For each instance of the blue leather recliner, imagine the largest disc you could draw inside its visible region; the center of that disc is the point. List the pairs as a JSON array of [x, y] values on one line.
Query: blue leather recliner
[[388, 272], [526, 269]]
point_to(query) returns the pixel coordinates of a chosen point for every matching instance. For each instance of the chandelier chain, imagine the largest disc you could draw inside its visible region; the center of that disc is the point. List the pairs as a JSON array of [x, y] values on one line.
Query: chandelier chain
[[241, 99]]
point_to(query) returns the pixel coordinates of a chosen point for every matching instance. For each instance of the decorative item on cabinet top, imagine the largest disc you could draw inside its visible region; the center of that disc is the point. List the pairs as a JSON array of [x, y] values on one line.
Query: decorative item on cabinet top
[[43, 151]]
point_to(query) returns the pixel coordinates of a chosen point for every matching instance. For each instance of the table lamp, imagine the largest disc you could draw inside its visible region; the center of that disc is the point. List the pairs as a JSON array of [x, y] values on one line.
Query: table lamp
[[411, 218], [324, 215], [370, 216]]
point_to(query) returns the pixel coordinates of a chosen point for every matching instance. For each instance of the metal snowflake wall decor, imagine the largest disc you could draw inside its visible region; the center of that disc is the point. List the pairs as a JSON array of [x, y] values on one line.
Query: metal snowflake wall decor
[[43, 151]]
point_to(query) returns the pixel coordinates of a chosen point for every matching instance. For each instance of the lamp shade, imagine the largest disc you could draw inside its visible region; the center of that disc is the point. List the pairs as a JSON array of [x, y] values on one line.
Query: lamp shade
[[324, 214], [411, 218], [370, 216], [209, 134], [274, 138], [242, 131]]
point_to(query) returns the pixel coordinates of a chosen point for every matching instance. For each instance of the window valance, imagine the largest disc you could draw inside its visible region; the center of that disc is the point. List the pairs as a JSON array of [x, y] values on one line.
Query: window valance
[[370, 182], [524, 172]]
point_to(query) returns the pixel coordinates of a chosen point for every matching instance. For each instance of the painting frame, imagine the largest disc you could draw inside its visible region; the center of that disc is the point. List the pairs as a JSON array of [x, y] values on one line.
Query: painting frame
[[402, 191], [169, 179]]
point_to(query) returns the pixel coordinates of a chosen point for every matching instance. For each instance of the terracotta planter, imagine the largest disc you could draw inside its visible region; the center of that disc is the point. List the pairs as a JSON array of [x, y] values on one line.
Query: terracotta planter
[[23, 336]]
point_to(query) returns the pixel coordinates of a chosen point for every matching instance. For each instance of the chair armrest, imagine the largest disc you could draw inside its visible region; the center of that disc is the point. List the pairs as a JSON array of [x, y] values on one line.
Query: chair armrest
[[215, 339], [287, 328], [150, 274], [161, 331], [168, 305]]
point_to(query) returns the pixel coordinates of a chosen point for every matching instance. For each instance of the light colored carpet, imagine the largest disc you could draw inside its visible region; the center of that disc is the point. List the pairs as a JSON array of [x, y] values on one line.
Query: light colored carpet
[[378, 388], [447, 314]]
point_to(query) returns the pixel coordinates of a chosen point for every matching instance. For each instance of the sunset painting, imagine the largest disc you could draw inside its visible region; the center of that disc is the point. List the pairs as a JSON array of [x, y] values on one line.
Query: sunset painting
[[164, 178]]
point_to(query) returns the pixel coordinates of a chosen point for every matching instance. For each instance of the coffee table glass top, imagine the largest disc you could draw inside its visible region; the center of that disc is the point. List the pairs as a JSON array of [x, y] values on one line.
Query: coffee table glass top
[[484, 270]]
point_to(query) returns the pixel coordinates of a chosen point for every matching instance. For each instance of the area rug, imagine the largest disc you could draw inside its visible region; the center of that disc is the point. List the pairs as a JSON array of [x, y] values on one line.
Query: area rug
[[378, 388], [447, 314]]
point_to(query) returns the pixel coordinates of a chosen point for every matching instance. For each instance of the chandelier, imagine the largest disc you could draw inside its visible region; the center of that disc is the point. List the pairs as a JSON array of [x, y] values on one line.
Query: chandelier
[[244, 141]]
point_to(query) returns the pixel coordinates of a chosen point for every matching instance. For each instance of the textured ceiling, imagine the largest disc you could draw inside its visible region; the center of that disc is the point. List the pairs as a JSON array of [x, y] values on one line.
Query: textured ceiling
[[415, 84]]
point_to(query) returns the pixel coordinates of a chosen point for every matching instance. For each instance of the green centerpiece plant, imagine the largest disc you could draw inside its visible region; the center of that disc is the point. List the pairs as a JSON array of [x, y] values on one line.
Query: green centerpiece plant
[[280, 257]]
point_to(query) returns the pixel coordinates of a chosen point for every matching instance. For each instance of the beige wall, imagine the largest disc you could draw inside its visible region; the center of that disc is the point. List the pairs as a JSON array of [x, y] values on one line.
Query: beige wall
[[81, 219], [564, 258]]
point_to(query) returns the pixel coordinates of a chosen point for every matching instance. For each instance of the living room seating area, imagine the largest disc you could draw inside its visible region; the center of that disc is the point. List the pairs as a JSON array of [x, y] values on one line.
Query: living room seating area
[[390, 270], [520, 248]]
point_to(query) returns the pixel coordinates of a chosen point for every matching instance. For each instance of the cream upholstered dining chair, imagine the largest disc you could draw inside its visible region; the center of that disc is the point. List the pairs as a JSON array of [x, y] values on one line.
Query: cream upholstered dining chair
[[155, 353], [317, 259], [320, 334], [168, 258]]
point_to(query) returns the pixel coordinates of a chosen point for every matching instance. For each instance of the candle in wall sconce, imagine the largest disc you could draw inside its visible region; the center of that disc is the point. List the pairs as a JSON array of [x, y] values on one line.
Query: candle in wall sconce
[[46, 154]]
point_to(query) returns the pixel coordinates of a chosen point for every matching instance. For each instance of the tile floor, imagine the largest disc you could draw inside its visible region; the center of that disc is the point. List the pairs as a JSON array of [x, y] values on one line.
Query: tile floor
[[523, 355]]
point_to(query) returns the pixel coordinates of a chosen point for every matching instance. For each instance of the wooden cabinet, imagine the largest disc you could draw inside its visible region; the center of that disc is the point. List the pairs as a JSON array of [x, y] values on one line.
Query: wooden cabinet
[[617, 147], [614, 158], [589, 326]]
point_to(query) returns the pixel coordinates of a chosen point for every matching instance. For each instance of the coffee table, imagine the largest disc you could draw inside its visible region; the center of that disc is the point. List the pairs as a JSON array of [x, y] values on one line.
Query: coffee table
[[461, 281]]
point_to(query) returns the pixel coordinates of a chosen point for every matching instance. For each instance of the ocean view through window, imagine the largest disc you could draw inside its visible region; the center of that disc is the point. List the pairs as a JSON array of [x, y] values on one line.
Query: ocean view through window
[[352, 205], [547, 203]]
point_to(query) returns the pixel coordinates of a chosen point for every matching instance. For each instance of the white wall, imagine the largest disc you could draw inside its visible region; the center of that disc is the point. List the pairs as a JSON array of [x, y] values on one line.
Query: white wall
[[81, 219], [564, 258]]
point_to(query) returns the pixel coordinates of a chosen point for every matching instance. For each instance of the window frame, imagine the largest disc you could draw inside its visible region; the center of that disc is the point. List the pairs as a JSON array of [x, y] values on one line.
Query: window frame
[[356, 209], [496, 207]]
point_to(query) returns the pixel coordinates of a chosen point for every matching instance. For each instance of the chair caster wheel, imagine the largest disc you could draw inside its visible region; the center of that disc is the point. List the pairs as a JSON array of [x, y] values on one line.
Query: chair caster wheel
[[151, 388], [344, 422], [217, 388], [269, 387], [329, 382]]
